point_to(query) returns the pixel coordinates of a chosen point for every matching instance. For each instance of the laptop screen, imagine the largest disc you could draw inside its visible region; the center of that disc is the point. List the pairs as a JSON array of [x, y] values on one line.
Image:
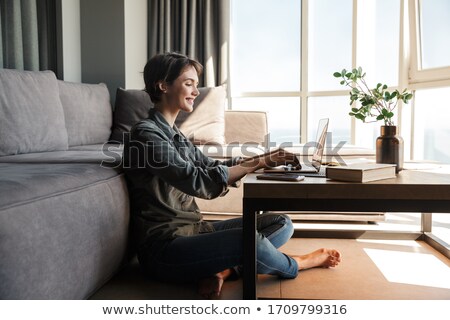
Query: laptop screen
[[320, 143]]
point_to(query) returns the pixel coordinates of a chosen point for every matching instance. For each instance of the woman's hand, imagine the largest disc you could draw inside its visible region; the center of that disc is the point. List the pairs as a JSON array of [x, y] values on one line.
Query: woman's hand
[[280, 157], [274, 158]]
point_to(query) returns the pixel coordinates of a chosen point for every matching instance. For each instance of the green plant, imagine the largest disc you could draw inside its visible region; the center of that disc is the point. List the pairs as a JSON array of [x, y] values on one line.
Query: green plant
[[376, 102]]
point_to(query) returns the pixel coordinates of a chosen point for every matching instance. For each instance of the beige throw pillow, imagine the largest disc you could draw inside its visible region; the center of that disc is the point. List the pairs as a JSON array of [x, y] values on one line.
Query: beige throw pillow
[[205, 125]]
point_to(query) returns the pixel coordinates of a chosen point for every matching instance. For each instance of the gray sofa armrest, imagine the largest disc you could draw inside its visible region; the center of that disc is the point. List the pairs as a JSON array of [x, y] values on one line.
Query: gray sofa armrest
[[246, 127]]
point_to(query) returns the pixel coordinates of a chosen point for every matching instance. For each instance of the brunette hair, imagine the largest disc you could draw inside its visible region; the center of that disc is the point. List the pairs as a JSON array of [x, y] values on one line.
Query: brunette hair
[[166, 67]]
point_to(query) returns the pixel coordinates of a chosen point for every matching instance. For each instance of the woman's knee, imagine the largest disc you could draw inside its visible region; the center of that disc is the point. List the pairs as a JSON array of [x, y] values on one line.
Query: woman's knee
[[285, 219], [280, 231], [286, 222], [272, 218]]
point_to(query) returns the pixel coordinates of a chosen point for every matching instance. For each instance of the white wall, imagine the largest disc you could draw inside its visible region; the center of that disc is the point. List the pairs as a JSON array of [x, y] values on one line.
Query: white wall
[[104, 41], [71, 44], [135, 42]]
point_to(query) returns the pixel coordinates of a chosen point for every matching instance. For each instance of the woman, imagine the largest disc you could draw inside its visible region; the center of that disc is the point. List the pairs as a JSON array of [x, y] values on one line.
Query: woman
[[165, 171]]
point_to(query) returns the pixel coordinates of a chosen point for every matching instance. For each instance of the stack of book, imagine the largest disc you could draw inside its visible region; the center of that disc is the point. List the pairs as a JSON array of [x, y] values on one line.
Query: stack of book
[[362, 172]]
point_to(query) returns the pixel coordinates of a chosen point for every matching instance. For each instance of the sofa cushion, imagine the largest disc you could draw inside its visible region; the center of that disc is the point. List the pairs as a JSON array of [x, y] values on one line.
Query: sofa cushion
[[98, 147], [31, 114], [110, 157], [24, 182], [245, 127], [205, 125], [131, 107], [88, 112]]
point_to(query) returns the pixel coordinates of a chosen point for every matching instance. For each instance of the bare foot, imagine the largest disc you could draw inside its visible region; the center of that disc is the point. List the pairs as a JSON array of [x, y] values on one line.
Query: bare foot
[[324, 258], [211, 287]]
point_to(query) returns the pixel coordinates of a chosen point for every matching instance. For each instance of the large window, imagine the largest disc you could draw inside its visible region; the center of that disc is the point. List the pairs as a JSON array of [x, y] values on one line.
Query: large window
[[284, 54], [326, 107], [430, 78], [266, 63], [329, 42], [378, 38], [265, 46]]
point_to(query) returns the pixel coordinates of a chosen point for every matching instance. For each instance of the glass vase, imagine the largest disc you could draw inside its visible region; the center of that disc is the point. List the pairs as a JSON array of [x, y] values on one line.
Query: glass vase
[[389, 147]]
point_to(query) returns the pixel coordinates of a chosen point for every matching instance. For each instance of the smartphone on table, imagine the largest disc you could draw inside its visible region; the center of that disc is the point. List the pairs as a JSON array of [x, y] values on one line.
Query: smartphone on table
[[280, 177]]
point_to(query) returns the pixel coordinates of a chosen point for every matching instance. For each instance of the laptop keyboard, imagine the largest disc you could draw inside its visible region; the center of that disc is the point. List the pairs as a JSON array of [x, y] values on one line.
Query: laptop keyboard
[[321, 174]]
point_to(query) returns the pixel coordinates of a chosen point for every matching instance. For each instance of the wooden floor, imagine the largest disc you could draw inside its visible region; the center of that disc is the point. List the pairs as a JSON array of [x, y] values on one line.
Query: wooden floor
[[370, 269]]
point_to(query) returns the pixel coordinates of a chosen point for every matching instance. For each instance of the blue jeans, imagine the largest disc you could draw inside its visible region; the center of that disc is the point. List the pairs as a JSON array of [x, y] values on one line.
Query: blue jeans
[[186, 259]]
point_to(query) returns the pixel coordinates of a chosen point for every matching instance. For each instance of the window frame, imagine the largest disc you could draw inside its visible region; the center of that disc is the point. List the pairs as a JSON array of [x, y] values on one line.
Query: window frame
[[433, 76], [304, 92]]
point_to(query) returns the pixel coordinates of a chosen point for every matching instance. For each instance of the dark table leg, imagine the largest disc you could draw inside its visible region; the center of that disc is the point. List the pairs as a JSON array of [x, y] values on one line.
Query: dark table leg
[[249, 276]]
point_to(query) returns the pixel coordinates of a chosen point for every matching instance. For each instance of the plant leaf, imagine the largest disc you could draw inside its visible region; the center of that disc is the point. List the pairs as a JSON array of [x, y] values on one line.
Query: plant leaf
[[337, 75]]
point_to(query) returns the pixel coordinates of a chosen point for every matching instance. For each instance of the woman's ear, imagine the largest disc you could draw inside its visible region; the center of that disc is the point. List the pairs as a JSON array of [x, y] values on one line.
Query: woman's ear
[[162, 85]]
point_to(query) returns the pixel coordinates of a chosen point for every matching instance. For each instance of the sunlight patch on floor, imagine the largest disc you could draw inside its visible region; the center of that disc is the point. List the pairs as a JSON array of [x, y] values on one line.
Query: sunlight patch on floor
[[403, 267], [441, 226], [363, 227], [405, 243]]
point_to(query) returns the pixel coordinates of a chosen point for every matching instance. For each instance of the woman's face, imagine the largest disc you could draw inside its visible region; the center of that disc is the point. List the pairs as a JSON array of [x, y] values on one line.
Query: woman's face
[[183, 91]]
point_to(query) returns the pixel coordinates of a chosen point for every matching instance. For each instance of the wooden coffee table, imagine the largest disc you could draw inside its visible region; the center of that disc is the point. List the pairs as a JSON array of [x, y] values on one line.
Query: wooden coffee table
[[412, 191]]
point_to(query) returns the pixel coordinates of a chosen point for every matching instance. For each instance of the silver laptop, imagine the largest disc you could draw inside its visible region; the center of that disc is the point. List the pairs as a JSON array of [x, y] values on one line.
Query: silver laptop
[[315, 169]]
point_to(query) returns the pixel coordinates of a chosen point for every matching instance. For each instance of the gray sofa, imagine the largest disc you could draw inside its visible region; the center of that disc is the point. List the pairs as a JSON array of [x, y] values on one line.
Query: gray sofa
[[63, 217], [64, 209]]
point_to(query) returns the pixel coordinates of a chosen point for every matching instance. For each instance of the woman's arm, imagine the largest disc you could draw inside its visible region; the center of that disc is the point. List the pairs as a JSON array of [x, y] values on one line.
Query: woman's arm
[[152, 150], [270, 159]]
